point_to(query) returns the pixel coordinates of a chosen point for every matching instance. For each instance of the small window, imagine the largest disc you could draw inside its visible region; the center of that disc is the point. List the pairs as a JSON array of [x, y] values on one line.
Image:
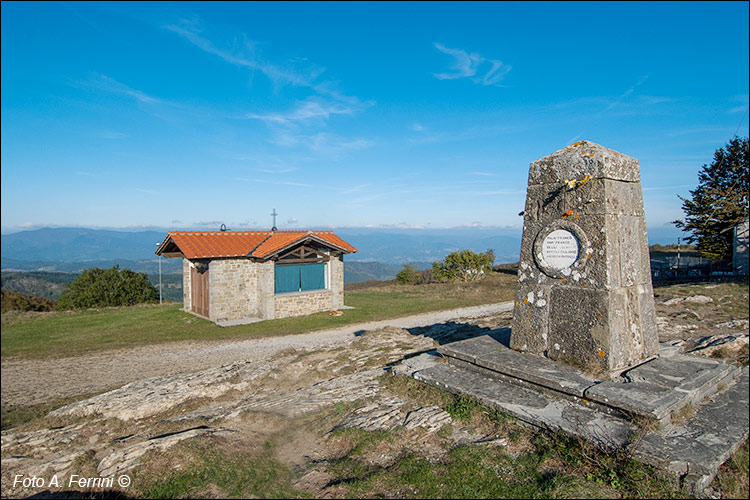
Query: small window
[[299, 277]]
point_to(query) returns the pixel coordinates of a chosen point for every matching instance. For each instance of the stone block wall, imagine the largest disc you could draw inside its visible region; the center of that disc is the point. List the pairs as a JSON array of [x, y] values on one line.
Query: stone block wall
[[302, 303], [232, 289], [336, 274], [265, 290], [186, 285]]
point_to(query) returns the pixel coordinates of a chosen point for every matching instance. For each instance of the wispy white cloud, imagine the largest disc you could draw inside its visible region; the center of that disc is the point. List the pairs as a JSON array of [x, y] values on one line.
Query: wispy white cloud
[[310, 109], [354, 189], [473, 132], [484, 174], [743, 107], [264, 164], [625, 94], [108, 134], [155, 105], [301, 125], [109, 84], [467, 65], [399, 225], [475, 225], [210, 223], [281, 170], [417, 127], [325, 143], [244, 56], [277, 183]]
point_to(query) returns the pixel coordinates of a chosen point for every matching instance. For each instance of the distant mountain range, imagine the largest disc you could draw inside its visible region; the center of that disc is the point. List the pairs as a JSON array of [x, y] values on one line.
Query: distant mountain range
[[391, 246], [382, 252], [79, 245]]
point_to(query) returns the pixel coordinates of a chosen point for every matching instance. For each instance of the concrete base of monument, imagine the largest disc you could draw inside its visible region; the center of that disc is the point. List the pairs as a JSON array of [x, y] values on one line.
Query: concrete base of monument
[[700, 404]]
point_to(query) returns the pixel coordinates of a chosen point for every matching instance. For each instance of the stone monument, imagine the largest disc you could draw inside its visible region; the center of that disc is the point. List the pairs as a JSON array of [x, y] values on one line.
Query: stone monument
[[581, 356], [584, 295]]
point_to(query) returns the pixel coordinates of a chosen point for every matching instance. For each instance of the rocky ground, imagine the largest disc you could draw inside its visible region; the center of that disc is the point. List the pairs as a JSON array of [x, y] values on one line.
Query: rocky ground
[[242, 393], [30, 382]]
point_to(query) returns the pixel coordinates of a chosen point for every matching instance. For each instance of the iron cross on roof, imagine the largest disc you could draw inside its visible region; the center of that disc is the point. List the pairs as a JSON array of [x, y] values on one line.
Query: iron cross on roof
[[274, 214]]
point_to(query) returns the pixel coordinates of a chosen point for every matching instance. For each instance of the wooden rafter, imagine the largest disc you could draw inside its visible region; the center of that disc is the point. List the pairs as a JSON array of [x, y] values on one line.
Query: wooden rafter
[[303, 253]]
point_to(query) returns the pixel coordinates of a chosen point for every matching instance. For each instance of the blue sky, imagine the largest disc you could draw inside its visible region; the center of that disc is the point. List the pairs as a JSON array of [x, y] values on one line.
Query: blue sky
[[351, 114]]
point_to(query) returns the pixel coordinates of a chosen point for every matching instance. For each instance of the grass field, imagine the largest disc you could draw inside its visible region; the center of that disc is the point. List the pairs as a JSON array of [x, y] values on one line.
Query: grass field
[[356, 463], [60, 334]]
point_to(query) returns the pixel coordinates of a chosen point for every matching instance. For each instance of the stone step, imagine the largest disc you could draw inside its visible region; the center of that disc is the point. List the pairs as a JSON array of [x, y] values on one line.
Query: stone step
[[658, 389], [692, 450], [487, 352], [696, 448], [663, 387], [541, 409]]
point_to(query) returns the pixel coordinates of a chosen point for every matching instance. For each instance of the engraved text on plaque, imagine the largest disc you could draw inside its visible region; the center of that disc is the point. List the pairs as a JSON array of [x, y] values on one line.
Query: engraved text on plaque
[[560, 249]]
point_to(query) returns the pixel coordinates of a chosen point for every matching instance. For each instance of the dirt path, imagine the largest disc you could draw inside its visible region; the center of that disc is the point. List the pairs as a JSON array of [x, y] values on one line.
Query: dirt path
[[28, 382]]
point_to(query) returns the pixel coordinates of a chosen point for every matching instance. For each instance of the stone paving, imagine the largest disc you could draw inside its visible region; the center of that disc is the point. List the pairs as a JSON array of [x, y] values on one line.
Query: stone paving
[[559, 397]]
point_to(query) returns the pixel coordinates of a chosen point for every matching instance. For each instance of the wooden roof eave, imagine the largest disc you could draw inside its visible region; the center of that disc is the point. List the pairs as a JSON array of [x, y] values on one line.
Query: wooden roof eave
[[169, 249], [302, 241]]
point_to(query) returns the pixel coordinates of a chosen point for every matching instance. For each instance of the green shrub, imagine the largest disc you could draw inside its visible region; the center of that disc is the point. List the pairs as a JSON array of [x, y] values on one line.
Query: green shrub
[[464, 265], [97, 287], [408, 275]]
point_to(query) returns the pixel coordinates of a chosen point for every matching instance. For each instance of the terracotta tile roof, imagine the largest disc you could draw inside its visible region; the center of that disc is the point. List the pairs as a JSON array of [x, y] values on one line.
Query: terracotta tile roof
[[260, 244]]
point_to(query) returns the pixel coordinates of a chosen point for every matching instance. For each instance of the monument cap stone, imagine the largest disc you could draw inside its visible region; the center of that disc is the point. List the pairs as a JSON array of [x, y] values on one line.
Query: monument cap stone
[[584, 158], [584, 294]]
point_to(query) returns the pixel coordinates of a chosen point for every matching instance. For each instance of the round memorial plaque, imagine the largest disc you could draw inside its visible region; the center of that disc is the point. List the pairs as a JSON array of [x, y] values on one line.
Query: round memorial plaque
[[559, 247]]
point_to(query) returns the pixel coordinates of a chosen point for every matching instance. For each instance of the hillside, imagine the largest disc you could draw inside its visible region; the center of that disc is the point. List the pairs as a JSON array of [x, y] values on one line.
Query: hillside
[[42, 284], [140, 266], [14, 301], [50, 285]]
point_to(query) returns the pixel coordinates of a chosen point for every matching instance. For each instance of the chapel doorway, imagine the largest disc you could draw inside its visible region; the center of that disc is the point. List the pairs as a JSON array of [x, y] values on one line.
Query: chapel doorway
[[199, 290]]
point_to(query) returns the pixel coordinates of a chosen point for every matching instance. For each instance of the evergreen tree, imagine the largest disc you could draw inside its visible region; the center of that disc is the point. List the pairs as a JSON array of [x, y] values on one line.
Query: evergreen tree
[[97, 287], [719, 202]]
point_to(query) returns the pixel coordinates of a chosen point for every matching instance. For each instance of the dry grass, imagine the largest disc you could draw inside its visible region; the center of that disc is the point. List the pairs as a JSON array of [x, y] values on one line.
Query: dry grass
[[733, 479]]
